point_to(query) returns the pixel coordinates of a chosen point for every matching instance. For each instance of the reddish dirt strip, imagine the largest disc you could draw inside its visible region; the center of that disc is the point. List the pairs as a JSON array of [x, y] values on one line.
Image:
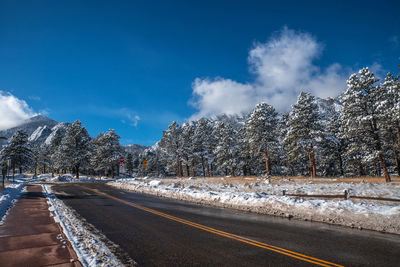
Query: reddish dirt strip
[[29, 236]]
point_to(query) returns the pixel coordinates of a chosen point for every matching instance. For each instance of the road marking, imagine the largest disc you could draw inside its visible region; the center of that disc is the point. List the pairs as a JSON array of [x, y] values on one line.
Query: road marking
[[249, 241]]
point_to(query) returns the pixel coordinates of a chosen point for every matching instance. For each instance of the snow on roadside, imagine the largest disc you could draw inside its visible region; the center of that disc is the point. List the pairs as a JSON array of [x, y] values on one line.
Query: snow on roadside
[[266, 198], [91, 246], [8, 197]]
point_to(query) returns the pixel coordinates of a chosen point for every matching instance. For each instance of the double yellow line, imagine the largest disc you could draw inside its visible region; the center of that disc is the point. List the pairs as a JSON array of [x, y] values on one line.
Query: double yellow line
[[222, 233]]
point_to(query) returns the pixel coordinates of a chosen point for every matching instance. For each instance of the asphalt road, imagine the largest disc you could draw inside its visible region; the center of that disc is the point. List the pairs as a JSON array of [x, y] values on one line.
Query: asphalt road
[[160, 232]]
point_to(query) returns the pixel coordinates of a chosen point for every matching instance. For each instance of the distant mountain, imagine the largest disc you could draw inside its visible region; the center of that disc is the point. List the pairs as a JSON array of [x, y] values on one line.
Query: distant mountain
[[40, 129], [134, 148], [328, 107]]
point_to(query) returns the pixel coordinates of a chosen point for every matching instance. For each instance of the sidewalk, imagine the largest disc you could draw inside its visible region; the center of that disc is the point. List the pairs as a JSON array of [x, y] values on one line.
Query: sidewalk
[[30, 236]]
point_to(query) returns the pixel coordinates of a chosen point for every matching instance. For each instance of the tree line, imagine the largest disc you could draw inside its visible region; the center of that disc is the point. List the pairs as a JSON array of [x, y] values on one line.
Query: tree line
[[73, 152], [356, 134]]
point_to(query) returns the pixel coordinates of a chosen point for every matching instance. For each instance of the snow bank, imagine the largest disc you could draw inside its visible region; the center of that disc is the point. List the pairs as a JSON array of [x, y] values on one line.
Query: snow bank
[[91, 246], [8, 197], [61, 178], [266, 198]]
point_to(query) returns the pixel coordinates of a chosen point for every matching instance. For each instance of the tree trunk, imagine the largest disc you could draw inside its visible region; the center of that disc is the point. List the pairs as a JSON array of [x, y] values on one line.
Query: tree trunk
[[226, 171], [385, 172], [374, 129], [178, 171], [244, 170], [233, 171], [266, 156], [208, 169], [398, 138], [212, 170], [77, 171], [310, 162], [187, 170], [202, 165], [292, 170], [314, 167], [376, 169], [341, 165], [112, 171], [396, 155], [361, 168]]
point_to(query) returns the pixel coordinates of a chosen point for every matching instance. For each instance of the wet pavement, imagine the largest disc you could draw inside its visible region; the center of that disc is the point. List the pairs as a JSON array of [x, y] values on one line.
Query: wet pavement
[[29, 236]]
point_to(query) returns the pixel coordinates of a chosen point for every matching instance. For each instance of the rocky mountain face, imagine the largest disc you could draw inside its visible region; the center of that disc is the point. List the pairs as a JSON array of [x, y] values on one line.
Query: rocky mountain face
[[38, 128], [327, 107], [41, 129], [134, 148]]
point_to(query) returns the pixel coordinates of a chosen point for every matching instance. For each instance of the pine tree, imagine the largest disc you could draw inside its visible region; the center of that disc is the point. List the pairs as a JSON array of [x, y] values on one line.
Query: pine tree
[[75, 147], [332, 147], [129, 163], [172, 144], [44, 160], [389, 111], [188, 155], [18, 151], [56, 157], [289, 153], [226, 145], [106, 151], [261, 128], [201, 143], [242, 154], [304, 128], [360, 118]]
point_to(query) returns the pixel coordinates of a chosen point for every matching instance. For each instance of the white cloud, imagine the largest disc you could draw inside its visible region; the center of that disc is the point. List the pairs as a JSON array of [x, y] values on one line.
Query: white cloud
[[378, 70], [283, 67], [133, 119], [221, 96], [13, 111]]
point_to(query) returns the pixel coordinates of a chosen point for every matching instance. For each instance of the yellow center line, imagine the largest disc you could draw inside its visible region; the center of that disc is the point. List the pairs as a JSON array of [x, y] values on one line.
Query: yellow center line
[[283, 251]]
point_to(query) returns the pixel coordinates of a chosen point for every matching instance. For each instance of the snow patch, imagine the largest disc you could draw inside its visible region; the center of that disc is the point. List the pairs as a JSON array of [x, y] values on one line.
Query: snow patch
[[91, 246], [8, 197], [269, 199]]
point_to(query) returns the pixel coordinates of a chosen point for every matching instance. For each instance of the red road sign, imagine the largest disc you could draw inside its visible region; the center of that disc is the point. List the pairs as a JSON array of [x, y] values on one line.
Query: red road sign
[[121, 160]]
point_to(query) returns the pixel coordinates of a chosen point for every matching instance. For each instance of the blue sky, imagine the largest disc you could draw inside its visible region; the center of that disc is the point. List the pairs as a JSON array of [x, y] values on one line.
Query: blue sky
[[134, 66]]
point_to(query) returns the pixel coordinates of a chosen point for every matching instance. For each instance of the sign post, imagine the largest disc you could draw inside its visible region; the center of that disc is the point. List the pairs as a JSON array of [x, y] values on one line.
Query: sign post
[[144, 162], [121, 163]]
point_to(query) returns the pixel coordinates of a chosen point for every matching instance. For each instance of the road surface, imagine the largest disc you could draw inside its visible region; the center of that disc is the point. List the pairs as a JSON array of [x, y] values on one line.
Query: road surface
[[156, 231]]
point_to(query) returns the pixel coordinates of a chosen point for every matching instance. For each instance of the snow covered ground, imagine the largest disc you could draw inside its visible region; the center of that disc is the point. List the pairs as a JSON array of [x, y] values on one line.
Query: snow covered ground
[[64, 178], [91, 246], [262, 196], [9, 195]]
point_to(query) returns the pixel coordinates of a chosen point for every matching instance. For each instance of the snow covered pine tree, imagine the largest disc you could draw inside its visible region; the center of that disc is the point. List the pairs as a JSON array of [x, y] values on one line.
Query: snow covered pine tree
[[75, 147]]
